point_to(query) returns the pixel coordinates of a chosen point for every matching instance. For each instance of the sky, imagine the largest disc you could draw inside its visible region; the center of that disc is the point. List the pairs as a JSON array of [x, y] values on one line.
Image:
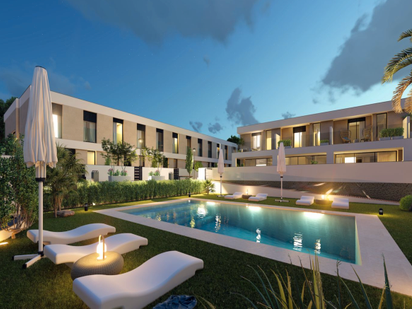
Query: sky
[[209, 66]]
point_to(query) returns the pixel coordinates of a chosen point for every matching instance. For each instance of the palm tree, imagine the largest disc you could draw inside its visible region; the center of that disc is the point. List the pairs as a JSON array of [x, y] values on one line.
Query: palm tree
[[401, 60]]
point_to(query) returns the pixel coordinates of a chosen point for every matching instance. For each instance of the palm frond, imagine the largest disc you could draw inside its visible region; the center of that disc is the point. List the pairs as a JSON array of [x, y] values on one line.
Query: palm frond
[[408, 102], [397, 94], [406, 34], [399, 61]]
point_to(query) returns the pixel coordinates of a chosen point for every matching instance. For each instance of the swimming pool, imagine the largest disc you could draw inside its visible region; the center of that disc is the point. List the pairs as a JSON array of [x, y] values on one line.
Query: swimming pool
[[330, 236]]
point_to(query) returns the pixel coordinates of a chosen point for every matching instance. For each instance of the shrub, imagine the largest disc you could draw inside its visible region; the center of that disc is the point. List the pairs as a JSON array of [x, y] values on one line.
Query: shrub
[[208, 186], [286, 142], [406, 203], [324, 141], [398, 131], [126, 191]]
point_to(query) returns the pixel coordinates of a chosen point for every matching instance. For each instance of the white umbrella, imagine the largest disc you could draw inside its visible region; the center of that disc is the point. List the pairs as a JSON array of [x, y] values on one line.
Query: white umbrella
[[39, 143], [281, 168], [221, 168]]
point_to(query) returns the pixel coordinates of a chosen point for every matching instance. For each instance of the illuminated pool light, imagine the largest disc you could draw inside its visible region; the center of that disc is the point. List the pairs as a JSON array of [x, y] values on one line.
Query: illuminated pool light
[[313, 215], [253, 208]]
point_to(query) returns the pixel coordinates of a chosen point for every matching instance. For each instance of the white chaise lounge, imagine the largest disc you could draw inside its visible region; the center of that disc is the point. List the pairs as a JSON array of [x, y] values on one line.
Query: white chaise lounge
[[305, 200], [234, 196], [83, 232], [339, 202], [120, 243], [259, 197], [139, 287]]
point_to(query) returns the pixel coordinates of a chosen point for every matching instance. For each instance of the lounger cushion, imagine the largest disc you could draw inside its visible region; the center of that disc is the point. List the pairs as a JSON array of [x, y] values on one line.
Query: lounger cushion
[[120, 243], [84, 232], [258, 197], [340, 203], [235, 195], [305, 200], [139, 287]]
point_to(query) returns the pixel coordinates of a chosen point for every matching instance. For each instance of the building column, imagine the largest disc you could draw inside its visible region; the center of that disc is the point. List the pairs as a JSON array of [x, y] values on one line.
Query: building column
[[330, 135], [329, 157], [406, 124]]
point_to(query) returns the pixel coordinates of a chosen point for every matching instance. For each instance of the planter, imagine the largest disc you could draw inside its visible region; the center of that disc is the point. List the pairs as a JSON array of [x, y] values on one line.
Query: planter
[[286, 147], [397, 137], [120, 178], [324, 144], [385, 138], [158, 177]]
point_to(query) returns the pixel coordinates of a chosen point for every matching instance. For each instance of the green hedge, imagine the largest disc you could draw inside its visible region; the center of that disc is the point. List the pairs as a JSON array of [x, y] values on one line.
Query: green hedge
[[390, 132], [116, 192], [406, 203], [286, 142]]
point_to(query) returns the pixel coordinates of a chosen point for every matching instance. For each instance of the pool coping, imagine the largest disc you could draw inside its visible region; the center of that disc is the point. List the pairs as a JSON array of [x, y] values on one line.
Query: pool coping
[[373, 239]]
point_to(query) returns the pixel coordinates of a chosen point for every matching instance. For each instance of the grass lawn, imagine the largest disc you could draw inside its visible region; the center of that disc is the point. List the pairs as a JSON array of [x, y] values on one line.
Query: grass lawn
[[45, 285]]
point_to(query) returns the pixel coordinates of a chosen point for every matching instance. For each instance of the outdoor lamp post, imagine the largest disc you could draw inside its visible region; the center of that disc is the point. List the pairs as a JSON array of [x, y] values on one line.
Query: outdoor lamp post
[[86, 206], [193, 156]]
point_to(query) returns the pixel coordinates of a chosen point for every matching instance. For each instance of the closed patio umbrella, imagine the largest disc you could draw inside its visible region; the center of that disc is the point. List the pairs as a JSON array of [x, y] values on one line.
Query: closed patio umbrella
[[39, 143], [221, 169], [281, 169]]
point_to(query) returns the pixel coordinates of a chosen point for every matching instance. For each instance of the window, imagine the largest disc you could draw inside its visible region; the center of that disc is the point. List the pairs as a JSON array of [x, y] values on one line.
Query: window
[[316, 134], [189, 141], [91, 158], [175, 143], [381, 123], [256, 138], [141, 136], [57, 120], [89, 127], [209, 149], [226, 153], [366, 157], [299, 135], [258, 162], [117, 130], [304, 160], [159, 139], [268, 140], [356, 126], [200, 146], [217, 150]]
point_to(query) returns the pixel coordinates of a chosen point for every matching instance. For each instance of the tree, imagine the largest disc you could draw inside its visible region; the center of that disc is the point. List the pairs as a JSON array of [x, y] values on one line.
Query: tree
[[18, 187], [64, 177], [4, 106], [189, 160], [398, 62], [237, 140], [118, 153], [155, 157]]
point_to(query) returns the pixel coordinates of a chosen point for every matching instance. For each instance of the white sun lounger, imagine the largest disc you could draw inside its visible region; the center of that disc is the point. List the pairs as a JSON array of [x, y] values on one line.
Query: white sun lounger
[[139, 287], [259, 197], [120, 243], [84, 232], [339, 202], [234, 196], [305, 200]]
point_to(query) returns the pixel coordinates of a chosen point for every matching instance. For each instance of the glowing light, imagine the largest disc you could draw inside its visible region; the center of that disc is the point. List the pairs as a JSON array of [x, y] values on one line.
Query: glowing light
[[317, 246], [218, 222], [329, 191], [3, 243], [56, 126], [101, 248], [313, 215], [253, 208], [201, 211], [298, 241], [211, 203], [94, 204], [323, 197], [350, 160], [247, 192]]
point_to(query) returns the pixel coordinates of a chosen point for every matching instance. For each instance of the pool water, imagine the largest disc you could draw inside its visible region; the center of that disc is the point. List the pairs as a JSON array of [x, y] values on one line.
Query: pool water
[[329, 236]]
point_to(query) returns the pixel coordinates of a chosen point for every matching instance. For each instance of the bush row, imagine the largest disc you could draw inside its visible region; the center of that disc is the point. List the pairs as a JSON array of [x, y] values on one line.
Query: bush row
[[115, 192], [390, 132]]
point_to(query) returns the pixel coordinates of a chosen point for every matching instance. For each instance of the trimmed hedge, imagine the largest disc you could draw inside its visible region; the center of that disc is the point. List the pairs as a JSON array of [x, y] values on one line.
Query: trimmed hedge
[[126, 191], [286, 142], [390, 132], [406, 203]]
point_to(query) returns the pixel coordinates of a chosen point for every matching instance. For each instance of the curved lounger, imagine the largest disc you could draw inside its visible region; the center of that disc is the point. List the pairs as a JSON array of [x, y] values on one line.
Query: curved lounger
[[84, 232], [120, 243], [234, 196], [305, 200], [259, 197], [139, 287]]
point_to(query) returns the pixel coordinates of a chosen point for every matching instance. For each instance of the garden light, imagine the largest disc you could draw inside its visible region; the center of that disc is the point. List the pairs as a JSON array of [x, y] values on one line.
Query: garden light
[[101, 248], [381, 211], [86, 207]]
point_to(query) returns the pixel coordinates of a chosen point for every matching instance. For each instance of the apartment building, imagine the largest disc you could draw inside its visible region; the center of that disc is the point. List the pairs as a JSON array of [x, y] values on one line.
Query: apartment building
[[351, 135], [81, 125]]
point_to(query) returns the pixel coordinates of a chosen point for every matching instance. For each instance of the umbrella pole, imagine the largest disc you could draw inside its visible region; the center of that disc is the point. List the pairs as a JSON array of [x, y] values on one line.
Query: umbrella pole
[[220, 186], [281, 187], [40, 251]]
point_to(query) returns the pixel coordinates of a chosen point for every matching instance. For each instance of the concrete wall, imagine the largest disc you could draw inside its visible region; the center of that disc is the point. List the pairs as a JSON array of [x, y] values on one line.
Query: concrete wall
[[287, 133], [394, 120], [183, 144], [22, 114], [104, 127], [104, 171], [167, 141], [72, 123], [130, 133], [338, 126], [150, 137]]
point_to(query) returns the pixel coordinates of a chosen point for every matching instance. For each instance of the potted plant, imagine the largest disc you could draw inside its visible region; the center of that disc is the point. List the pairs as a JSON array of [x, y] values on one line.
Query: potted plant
[[385, 134], [156, 175], [397, 133], [118, 154], [324, 142], [286, 143]]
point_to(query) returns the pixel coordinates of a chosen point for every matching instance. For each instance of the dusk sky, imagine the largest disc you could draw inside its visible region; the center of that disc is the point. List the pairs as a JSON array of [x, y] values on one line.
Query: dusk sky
[[209, 66]]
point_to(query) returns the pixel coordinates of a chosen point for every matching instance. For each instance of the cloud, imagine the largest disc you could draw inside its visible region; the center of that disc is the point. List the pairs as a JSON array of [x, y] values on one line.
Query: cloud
[[363, 56], [18, 77], [240, 111], [288, 115], [153, 21], [197, 126], [206, 59], [215, 127]]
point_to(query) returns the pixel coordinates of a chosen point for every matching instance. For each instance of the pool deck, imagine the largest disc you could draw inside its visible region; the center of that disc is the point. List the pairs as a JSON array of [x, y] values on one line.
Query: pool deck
[[374, 243]]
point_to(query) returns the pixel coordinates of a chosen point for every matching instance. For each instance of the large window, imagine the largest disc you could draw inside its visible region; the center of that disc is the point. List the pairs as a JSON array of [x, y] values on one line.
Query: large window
[[217, 150], [356, 126], [268, 140], [304, 160], [89, 127], [258, 162], [381, 122], [226, 153], [200, 147], [189, 141], [256, 141], [366, 157], [141, 136], [209, 149], [117, 130], [175, 143], [316, 134], [57, 120], [91, 158], [159, 139], [299, 135]]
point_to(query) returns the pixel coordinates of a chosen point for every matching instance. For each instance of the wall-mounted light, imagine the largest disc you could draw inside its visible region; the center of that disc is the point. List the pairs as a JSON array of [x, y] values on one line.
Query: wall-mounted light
[[381, 211]]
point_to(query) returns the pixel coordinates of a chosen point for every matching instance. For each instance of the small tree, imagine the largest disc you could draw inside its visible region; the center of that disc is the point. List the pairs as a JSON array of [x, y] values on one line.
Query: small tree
[[237, 140], [189, 160], [155, 157], [64, 177], [118, 154]]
